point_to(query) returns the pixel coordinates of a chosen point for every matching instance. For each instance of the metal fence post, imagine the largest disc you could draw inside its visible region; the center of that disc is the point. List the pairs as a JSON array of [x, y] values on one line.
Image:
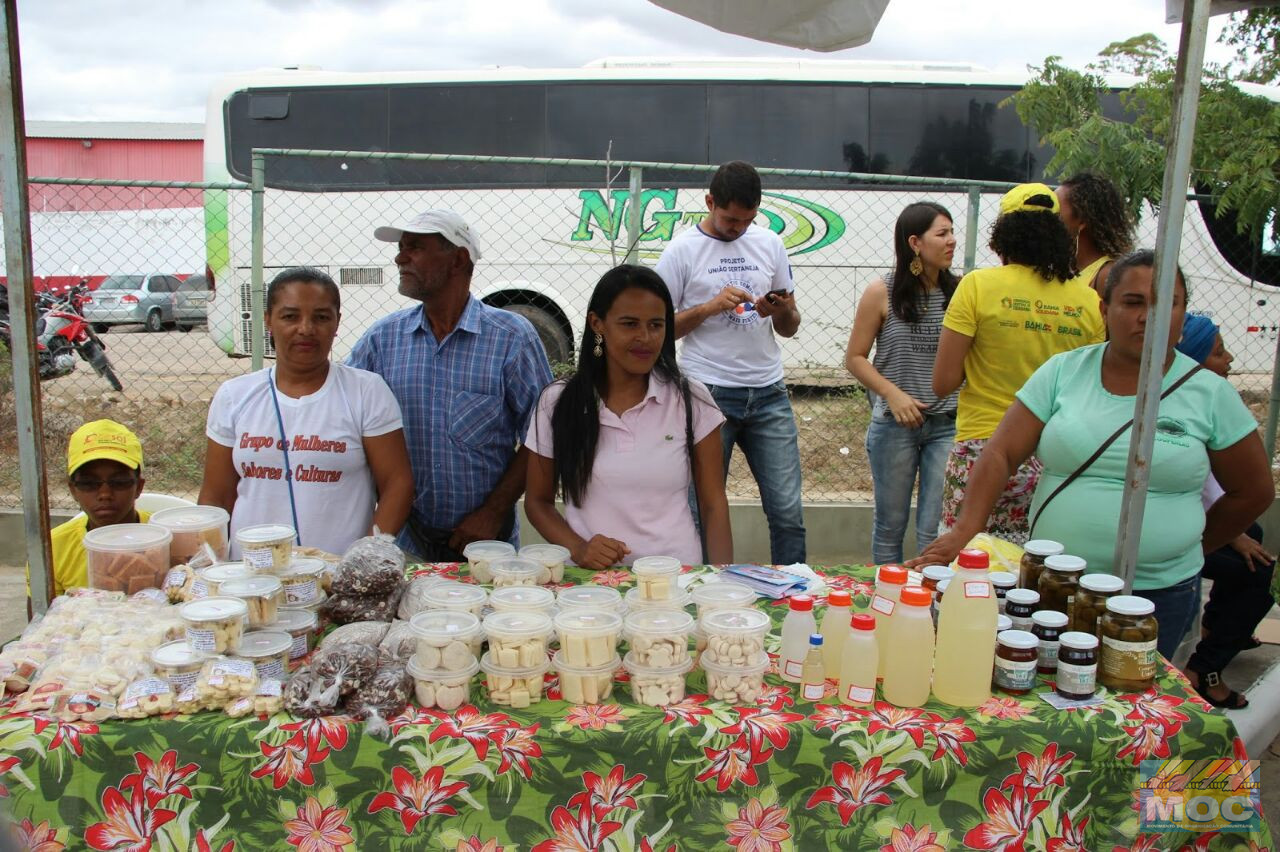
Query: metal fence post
[[259, 183], [634, 210], [971, 230]]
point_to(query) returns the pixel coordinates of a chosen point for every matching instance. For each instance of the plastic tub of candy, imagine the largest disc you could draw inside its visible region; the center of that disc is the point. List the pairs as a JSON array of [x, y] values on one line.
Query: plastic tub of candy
[[552, 558], [658, 638], [523, 599], [723, 594], [127, 557], [737, 683], [192, 528], [515, 571], [268, 650], [447, 639], [300, 624], [443, 688], [585, 684], [635, 600], [215, 575], [514, 687], [302, 581], [657, 686], [266, 548], [178, 663], [600, 598], [734, 636], [262, 593], [215, 625], [456, 597], [657, 577], [480, 553], [588, 638], [517, 640]]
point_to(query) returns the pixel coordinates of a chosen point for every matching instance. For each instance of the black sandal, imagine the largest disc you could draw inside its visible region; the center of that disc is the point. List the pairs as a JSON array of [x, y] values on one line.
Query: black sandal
[[1233, 701], [1250, 643]]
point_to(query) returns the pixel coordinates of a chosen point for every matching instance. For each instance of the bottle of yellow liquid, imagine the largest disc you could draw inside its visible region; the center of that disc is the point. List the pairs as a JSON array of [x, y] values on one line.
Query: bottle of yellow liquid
[[890, 580], [813, 680], [859, 662], [909, 655], [835, 627], [966, 634]]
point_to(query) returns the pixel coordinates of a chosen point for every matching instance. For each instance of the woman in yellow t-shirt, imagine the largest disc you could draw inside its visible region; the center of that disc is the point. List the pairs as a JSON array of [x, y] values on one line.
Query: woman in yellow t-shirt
[[1001, 325], [1098, 222]]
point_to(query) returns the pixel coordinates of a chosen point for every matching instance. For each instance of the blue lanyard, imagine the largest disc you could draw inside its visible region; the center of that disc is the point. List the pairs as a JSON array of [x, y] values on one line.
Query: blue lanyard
[[284, 445]]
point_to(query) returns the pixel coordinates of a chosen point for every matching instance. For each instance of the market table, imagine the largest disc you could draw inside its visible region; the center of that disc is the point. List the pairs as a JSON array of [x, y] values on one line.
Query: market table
[[784, 774]]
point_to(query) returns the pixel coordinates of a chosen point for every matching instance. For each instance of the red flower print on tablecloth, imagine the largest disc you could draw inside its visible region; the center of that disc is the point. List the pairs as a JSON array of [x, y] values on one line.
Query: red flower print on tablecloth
[[1007, 823], [202, 843], [1153, 706], [689, 710], [129, 824], [1142, 843], [611, 577], [581, 833], [67, 733], [1004, 708], [1039, 772], [604, 795], [758, 828], [855, 788], [317, 828], [763, 723], [736, 762], [950, 734], [290, 761], [475, 844], [1072, 838], [516, 746], [479, 729], [161, 778], [37, 837], [833, 717], [908, 838], [1150, 739], [415, 798], [6, 763], [646, 845], [776, 697], [883, 716], [321, 730], [594, 717], [411, 717], [852, 585]]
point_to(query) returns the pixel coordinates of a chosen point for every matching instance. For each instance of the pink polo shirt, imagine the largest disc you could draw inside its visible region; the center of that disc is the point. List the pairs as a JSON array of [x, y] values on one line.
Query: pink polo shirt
[[639, 485]]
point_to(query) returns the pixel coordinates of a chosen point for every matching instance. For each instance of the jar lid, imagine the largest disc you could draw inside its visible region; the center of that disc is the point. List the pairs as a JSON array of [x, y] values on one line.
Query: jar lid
[[488, 549], [736, 621], [517, 624], [257, 586], [1106, 584], [593, 597], [723, 593], [592, 622], [635, 667], [220, 572], [127, 537], [266, 534], [522, 598], [304, 566], [801, 603], [1043, 547], [972, 557], [559, 663], [545, 554], [1078, 640], [491, 667], [418, 672], [635, 599], [1130, 605], [943, 584], [1003, 622], [451, 595], [264, 643], [445, 624], [1049, 618], [863, 621], [655, 566], [916, 596], [190, 518], [176, 654], [757, 666], [839, 597], [658, 621], [1003, 579], [515, 566], [938, 572], [1018, 639], [1022, 597], [214, 609], [894, 575], [294, 620], [1064, 562]]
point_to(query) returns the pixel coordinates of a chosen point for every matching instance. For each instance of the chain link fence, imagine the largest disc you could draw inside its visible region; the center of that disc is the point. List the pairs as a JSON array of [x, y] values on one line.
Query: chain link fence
[[548, 229]]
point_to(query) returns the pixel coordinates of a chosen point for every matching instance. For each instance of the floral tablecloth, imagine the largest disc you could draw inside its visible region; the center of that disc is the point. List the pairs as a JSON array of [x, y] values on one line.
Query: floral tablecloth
[[699, 775]]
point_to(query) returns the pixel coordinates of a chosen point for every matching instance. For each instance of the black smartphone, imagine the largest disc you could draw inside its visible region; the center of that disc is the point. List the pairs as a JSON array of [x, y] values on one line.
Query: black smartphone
[[770, 295]]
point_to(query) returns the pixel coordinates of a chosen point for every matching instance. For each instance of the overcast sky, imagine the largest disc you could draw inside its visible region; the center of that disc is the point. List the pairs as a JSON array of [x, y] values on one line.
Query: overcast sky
[[155, 59]]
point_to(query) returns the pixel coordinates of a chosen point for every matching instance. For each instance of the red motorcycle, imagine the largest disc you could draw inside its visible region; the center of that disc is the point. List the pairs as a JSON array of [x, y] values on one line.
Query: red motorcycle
[[62, 333]]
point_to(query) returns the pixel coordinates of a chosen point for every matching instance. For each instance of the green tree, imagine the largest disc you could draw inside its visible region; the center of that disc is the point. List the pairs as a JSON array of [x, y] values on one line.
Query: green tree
[[1256, 36]]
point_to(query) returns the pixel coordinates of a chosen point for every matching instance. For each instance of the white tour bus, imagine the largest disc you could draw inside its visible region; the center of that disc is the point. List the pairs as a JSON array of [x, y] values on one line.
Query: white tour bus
[[549, 232]]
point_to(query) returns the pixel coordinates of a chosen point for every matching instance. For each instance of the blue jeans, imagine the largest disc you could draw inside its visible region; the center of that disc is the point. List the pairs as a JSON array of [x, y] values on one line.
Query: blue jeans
[[760, 421], [1176, 608], [896, 454]]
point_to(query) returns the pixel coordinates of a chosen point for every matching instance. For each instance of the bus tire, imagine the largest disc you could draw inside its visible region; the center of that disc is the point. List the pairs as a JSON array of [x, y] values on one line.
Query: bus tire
[[554, 340]]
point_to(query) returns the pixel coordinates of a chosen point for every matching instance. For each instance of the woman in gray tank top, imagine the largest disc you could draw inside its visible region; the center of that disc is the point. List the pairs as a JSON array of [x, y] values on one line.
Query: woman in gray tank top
[[911, 429]]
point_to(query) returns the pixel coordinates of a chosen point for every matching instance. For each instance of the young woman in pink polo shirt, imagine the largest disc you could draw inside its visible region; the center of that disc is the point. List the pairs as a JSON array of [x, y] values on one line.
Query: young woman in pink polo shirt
[[624, 437]]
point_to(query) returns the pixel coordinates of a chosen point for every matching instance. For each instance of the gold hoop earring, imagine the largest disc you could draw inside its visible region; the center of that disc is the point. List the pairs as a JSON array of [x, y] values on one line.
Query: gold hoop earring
[[916, 267], [599, 350]]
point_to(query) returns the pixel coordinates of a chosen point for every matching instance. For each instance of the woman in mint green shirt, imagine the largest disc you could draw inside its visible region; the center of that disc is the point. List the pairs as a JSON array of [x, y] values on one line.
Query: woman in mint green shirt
[[1073, 403]]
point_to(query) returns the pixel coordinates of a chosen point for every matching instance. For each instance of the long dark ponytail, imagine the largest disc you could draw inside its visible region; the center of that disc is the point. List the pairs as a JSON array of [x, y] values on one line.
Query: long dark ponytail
[[575, 420], [908, 293]]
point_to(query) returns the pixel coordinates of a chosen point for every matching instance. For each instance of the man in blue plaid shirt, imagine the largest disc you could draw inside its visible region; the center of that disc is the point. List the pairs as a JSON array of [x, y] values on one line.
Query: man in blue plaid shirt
[[467, 377]]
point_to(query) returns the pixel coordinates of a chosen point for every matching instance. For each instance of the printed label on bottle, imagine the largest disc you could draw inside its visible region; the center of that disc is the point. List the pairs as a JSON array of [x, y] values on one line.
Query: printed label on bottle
[[272, 668], [813, 691], [1077, 680], [977, 589], [859, 694], [1128, 660], [300, 593], [299, 646], [258, 558], [1048, 654], [1015, 674], [793, 668], [882, 605], [201, 639]]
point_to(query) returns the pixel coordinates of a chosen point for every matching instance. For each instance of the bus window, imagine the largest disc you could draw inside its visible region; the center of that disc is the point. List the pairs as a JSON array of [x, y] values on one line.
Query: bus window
[[758, 122], [1255, 256]]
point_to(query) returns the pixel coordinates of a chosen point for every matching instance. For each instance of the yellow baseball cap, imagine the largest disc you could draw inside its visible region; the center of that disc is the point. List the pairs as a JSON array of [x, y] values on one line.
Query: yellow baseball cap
[[1019, 199], [103, 439]]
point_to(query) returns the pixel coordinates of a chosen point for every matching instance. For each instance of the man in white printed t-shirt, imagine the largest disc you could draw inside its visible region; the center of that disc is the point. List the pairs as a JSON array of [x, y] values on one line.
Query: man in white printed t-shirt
[[731, 284]]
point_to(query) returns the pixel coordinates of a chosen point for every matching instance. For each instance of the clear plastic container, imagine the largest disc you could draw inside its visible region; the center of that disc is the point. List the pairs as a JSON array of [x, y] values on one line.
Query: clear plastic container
[[635, 599], [523, 599], [302, 581], [658, 638], [456, 597], [268, 650], [300, 624], [127, 557], [262, 593], [215, 575], [657, 687], [215, 625], [441, 688], [723, 594], [600, 598], [517, 640], [515, 571], [266, 548], [447, 639], [657, 577], [739, 683], [585, 684], [552, 558], [480, 553], [178, 663], [192, 528], [734, 636], [588, 638], [514, 687]]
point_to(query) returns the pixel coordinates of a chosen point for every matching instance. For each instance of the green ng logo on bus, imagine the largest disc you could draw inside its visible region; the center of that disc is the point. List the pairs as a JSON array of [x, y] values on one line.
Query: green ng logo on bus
[[803, 225]]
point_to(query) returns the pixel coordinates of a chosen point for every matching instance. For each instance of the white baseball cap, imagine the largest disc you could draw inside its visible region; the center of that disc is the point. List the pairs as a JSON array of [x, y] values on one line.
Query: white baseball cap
[[446, 223]]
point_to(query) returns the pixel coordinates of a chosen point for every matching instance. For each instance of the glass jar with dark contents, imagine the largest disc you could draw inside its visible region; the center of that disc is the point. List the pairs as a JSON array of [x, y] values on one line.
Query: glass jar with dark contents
[[1091, 600], [1077, 676], [931, 575], [1034, 554], [1002, 582], [1047, 625], [1015, 664], [1128, 630], [1058, 582], [1020, 605]]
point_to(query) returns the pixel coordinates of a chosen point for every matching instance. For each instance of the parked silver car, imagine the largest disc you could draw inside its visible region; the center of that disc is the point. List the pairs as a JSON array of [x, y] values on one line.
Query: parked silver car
[[121, 299], [191, 302]]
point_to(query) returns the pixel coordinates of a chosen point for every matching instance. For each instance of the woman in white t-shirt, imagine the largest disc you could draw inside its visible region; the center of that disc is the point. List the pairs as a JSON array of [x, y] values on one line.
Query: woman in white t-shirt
[[309, 443]]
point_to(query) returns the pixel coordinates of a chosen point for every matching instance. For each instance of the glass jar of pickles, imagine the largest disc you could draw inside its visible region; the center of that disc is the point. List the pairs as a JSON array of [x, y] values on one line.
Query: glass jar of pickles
[[1058, 582], [1034, 553], [1091, 600], [1128, 631]]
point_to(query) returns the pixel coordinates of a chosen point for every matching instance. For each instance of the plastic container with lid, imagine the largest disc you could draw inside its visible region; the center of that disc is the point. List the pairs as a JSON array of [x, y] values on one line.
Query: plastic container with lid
[[635, 599], [1015, 664], [1020, 605], [1058, 582], [658, 638], [480, 553], [657, 577], [890, 580], [931, 575], [215, 575], [1003, 622], [266, 548], [127, 557], [723, 594], [457, 597], [798, 625], [1048, 625], [859, 661], [302, 581], [192, 528], [590, 597], [1002, 582], [215, 625], [588, 638], [552, 558], [517, 639], [1129, 633], [446, 638], [734, 636], [262, 594], [585, 684], [657, 686], [737, 683], [178, 663], [300, 624], [1091, 600], [1034, 553], [514, 687], [523, 599], [515, 571], [268, 650], [443, 688], [1077, 676]]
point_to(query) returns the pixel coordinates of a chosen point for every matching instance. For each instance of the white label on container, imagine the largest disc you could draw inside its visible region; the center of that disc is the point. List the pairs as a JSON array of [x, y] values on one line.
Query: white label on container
[[182, 681], [175, 577], [300, 593], [859, 694], [201, 639], [272, 668], [299, 646], [882, 605], [812, 691], [1077, 680], [140, 688], [270, 687], [223, 669], [1048, 654], [977, 589], [793, 668], [258, 558], [1011, 674], [199, 588]]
